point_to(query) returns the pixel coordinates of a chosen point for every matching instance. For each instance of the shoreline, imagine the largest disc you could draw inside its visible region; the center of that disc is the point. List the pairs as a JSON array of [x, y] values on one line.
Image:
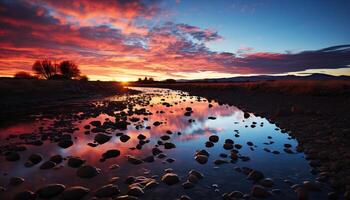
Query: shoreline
[[318, 117]]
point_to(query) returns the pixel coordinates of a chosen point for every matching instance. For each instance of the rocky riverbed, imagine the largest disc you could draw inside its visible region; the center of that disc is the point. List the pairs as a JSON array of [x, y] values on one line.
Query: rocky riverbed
[[160, 144]]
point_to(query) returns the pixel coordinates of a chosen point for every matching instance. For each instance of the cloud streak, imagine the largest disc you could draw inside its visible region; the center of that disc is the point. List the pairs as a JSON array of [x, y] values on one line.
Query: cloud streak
[[113, 39]]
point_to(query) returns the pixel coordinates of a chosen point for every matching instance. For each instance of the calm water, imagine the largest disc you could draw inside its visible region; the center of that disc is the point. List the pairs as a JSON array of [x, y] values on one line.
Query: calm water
[[229, 121]]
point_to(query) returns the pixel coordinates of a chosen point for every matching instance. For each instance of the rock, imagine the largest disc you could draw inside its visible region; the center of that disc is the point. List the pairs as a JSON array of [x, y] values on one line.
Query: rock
[[156, 123], [220, 162], [35, 158], [12, 156], [50, 190], [141, 137], [65, 143], [250, 143], [187, 185], [165, 137], [156, 151], [301, 193], [47, 165], [202, 152], [267, 182], [170, 178], [234, 155], [238, 146], [169, 145], [201, 159], [312, 186], [75, 162], [135, 191], [255, 175], [124, 138], [151, 184], [332, 196], [109, 190], [96, 123], [112, 153], [184, 197], [288, 151], [228, 146], [149, 159], [56, 159], [75, 193], [212, 118], [16, 181], [196, 173], [259, 192], [246, 115], [214, 138], [134, 160], [170, 160], [126, 197], [25, 195], [87, 171], [287, 145], [209, 144], [102, 138]]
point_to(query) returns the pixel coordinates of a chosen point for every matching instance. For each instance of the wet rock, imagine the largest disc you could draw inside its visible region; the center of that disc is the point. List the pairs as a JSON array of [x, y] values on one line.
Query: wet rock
[[212, 118], [302, 193], [312, 185], [102, 138], [87, 171], [65, 143], [124, 138], [209, 144], [275, 152], [109, 190], [233, 195], [202, 152], [134, 160], [238, 146], [170, 160], [12, 156], [141, 137], [169, 145], [149, 159], [96, 123], [332, 196], [75, 162], [234, 155], [156, 151], [214, 138], [250, 143], [255, 175], [156, 123], [267, 182], [47, 165], [50, 190], [170, 178], [75, 193], [220, 162], [259, 192], [56, 159], [288, 151], [151, 184], [196, 173], [246, 115], [287, 145], [184, 197], [161, 155], [112, 153], [16, 181], [165, 137], [25, 195], [201, 159], [35, 158], [135, 191], [187, 185], [228, 146], [126, 197]]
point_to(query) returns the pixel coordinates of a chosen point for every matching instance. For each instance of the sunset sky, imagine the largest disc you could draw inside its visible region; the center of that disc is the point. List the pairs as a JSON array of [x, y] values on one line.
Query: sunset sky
[[126, 39]]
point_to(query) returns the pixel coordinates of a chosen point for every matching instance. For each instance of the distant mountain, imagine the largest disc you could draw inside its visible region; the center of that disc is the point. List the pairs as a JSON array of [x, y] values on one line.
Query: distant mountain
[[316, 76]]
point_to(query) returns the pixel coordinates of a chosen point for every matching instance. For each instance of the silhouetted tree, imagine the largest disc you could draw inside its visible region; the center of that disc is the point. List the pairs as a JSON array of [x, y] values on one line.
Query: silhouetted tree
[[139, 80], [44, 68], [151, 80], [23, 75], [83, 78], [170, 81], [69, 69]]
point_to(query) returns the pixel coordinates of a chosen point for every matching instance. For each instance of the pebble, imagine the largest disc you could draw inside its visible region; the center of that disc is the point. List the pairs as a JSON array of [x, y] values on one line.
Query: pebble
[[135, 191], [75, 193], [75, 162], [87, 171], [124, 138], [50, 190], [187, 185], [56, 159], [267, 182], [126, 197], [170, 178], [214, 138], [209, 144], [134, 160], [112, 153], [105, 191], [25, 195], [102, 138], [259, 192], [169, 145], [255, 175], [201, 159], [47, 165], [16, 181]]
